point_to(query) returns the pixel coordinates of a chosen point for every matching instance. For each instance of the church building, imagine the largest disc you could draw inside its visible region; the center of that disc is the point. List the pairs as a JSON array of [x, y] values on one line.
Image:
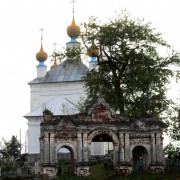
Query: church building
[[59, 90]]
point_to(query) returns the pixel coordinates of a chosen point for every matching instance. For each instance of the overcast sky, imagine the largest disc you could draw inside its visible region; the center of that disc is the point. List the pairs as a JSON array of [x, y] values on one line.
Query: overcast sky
[[20, 21]]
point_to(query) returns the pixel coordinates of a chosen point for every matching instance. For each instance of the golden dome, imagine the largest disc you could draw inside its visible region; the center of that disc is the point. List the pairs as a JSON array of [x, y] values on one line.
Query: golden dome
[[54, 64], [73, 30], [41, 56]]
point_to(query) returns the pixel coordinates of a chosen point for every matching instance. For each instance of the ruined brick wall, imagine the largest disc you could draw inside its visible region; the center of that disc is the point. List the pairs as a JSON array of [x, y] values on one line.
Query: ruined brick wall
[[77, 132]]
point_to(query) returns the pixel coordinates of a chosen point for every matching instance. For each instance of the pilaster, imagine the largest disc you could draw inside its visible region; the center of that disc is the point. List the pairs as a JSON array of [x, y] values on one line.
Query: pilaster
[[159, 148], [52, 149], [127, 148], [121, 148], [116, 154], [153, 149], [79, 147], [85, 148], [46, 150]]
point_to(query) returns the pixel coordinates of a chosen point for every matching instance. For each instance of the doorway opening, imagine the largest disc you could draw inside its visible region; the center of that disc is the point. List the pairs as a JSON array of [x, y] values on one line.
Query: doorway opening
[[140, 158], [102, 153], [65, 158]]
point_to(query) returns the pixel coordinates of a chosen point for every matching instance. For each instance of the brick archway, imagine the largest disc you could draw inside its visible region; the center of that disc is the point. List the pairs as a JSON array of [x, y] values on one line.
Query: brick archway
[[99, 131], [147, 147], [67, 145], [140, 153], [73, 157], [112, 136]]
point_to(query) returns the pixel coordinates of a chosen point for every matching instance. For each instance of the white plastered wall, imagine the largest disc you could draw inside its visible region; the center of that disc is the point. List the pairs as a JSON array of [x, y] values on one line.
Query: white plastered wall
[[42, 93], [34, 134]]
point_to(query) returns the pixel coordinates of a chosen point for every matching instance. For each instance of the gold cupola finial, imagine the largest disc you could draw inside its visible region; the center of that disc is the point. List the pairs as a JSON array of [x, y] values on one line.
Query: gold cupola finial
[[54, 64], [73, 31], [41, 56], [55, 61]]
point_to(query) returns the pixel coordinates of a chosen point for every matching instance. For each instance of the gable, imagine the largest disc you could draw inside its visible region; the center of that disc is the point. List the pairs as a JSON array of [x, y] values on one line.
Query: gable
[[65, 129], [100, 111], [61, 105], [101, 114], [65, 125]]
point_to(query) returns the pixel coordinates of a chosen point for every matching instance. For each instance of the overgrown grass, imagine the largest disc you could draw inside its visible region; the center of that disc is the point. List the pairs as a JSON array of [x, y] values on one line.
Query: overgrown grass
[[98, 172]]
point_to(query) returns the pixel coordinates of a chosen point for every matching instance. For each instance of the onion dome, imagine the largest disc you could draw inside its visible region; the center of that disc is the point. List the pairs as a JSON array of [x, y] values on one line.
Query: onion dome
[[41, 56], [54, 64], [73, 30], [93, 51]]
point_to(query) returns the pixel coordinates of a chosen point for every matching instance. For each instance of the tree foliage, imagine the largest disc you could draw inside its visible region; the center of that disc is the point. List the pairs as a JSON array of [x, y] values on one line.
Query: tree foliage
[[171, 151], [133, 69], [13, 147], [174, 124]]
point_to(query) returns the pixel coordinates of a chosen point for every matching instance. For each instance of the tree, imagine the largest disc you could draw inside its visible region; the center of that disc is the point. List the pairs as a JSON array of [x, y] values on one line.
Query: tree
[[171, 151], [174, 128], [133, 72], [13, 147], [1, 143]]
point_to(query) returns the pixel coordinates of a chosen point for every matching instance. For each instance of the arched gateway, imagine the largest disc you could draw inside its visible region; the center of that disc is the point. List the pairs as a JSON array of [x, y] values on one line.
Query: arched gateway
[[131, 139]]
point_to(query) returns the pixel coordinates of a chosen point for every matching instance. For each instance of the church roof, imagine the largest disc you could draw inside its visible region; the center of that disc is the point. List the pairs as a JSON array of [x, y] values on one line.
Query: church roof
[[61, 105], [69, 70]]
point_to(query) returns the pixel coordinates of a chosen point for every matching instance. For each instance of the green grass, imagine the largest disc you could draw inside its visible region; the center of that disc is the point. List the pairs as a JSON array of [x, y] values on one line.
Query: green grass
[[98, 172]]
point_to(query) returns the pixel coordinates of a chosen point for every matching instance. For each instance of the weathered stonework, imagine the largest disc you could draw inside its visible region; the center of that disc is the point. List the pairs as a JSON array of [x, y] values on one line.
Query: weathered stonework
[[132, 139]]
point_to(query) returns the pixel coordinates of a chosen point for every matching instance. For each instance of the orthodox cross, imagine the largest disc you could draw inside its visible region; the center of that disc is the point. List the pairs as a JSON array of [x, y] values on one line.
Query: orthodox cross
[[73, 1], [54, 55], [41, 33]]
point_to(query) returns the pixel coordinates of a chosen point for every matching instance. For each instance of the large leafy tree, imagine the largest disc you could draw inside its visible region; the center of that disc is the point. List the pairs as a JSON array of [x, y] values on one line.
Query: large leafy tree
[[13, 147], [135, 66]]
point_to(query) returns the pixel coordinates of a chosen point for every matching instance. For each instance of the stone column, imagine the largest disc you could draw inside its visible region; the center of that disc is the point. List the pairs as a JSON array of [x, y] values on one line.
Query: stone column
[[121, 146], [79, 147], [89, 151], [159, 148], [42, 150], [46, 149], [153, 149], [52, 149], [116, 153], [85, 147], [127, 148]]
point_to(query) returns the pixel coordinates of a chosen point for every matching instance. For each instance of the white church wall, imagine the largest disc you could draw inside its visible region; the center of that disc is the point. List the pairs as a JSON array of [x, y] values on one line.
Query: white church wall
[[97, 148], [34, 134], [108, 147], [42, 93], [101, 148]]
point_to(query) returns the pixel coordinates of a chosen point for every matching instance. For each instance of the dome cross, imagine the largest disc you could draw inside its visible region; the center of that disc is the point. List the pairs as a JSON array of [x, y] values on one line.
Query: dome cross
[[73, 1]]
